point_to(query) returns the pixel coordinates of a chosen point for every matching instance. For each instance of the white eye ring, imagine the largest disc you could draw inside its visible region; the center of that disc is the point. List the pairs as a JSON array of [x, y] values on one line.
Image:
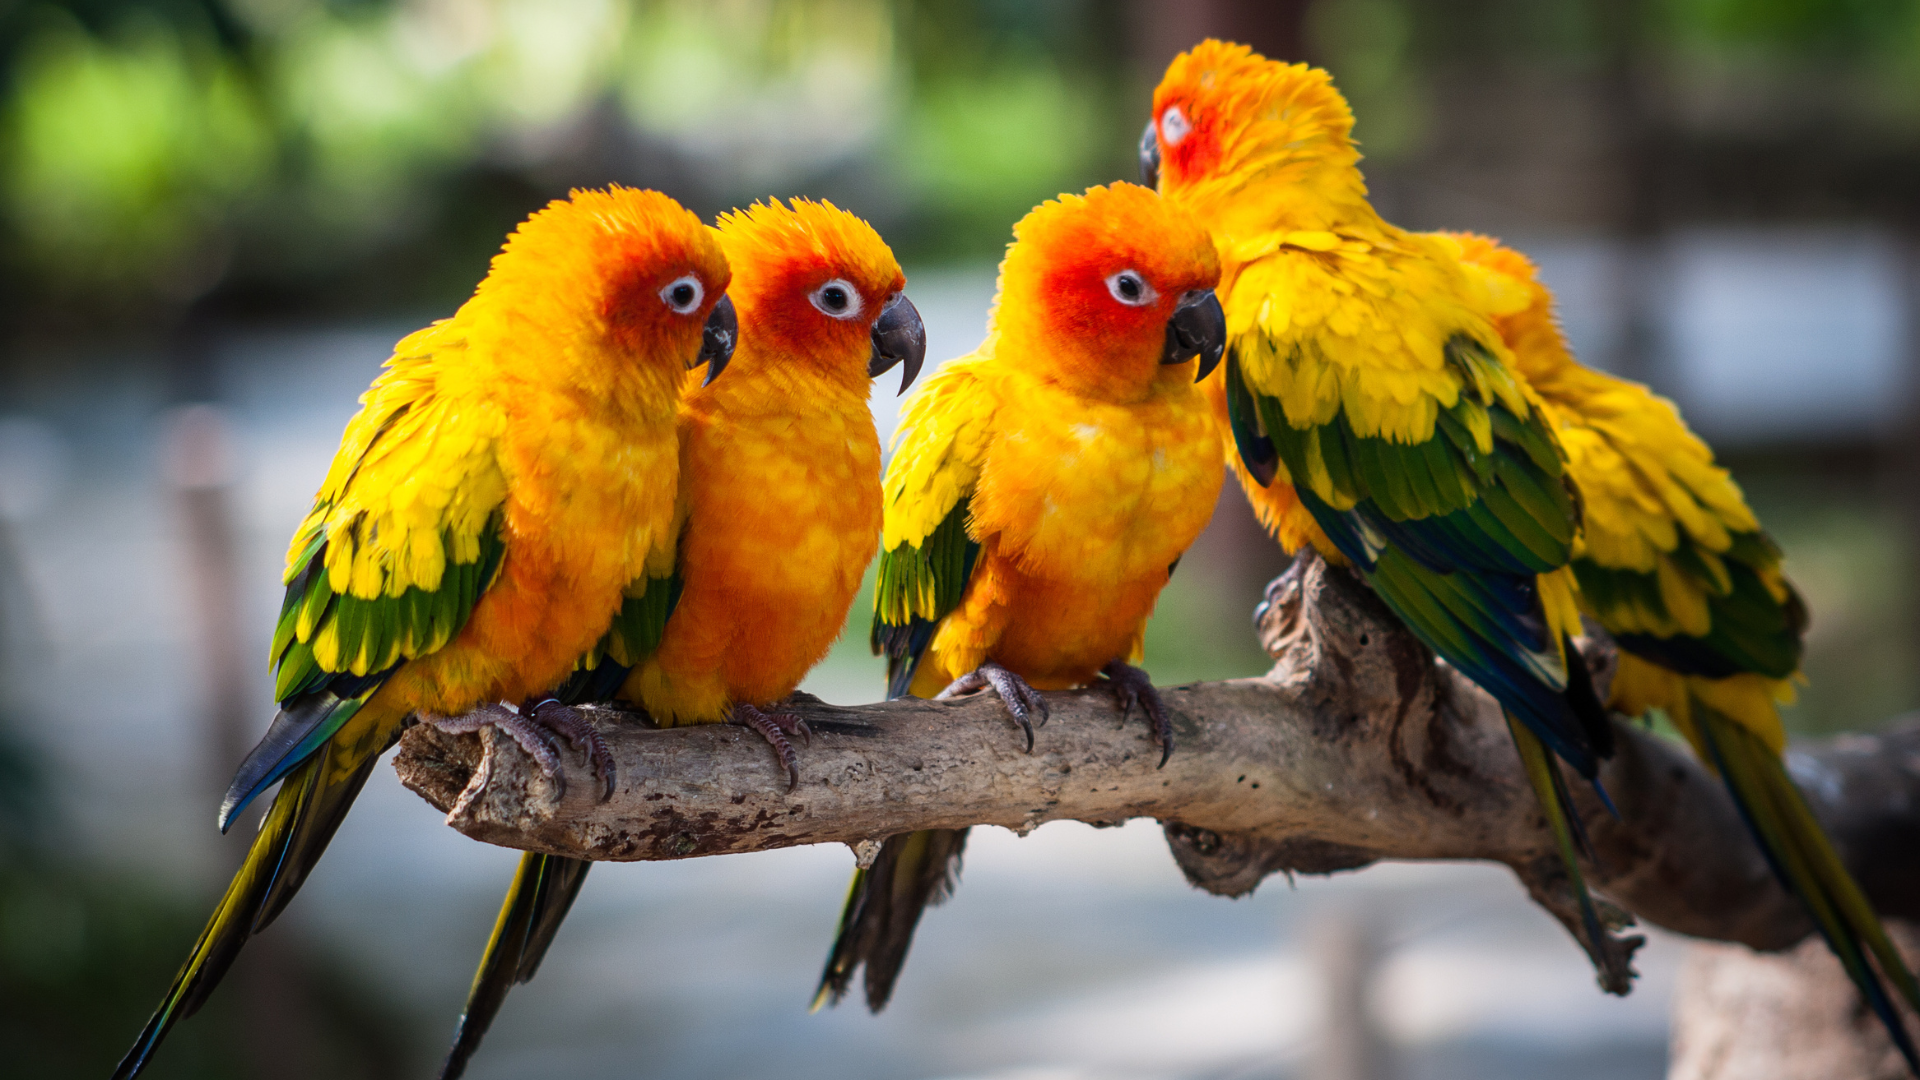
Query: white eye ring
[[1173, 126], [683, 294], [837, 299], [1131, 289]]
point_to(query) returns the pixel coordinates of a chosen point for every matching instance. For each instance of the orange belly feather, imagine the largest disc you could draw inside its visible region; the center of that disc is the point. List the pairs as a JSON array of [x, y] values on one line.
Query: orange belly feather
[[783, 503]]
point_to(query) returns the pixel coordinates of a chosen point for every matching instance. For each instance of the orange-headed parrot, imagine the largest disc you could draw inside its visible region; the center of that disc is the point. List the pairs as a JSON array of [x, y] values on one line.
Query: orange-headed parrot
[[1374, 411], [1040, 493], [508, 476], [1351, 381], [780, 489]]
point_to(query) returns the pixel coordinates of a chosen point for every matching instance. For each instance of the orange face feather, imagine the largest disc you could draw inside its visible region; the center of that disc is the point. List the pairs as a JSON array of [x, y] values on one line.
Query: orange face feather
[[581, 296], [1244, 137], [787, 261], [1090, 464], [1059, 295]]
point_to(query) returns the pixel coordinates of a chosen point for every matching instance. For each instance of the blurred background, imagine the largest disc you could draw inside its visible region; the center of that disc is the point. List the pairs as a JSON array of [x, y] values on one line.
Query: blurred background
[[216, 216]]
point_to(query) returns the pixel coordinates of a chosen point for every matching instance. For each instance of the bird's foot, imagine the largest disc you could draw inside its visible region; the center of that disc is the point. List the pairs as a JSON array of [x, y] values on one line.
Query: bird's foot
[[775, 727], [1023, 701], [572, 724], [1131, 686], [533, 726]]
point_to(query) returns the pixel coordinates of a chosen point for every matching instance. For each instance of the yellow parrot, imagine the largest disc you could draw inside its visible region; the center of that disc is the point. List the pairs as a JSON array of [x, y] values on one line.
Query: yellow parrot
[[780, 496], [1357, 352], [507, 478], [1041, 491], [1373, 410]]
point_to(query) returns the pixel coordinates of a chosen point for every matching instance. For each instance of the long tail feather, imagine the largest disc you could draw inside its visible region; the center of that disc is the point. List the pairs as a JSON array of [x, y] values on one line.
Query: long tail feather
[[542, 892], [912, 872], [311, 802], [1806, 862], [1568, 834]]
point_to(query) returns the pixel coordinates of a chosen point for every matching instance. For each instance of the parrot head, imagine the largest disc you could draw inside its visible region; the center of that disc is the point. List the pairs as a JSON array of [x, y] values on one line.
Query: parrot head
[[821, 294], [622, 289], [1224, 117], [1109, 291]]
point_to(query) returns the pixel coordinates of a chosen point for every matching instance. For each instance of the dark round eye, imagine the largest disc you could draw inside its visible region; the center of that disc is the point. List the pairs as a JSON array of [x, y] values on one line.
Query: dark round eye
[[683, 294], [837, 299], [1131, 289]]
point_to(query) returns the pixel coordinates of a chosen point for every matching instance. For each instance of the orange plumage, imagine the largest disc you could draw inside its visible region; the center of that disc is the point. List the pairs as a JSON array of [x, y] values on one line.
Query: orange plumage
[[782, 470], [1040, 492], [506, 478], [1092, 465], [779, 516]]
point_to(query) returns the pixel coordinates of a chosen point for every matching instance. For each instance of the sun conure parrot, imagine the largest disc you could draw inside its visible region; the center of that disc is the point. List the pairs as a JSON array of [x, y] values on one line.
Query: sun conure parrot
[[506, 479], [1674, 565], [1041, 491], [780, 494], [1374, 410]]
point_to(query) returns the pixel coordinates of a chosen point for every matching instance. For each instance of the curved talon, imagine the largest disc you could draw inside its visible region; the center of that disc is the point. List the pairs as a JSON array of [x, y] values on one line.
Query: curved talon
[[555, 716], [775, 727], [1021, 700], [1131, 685], [520, 728]]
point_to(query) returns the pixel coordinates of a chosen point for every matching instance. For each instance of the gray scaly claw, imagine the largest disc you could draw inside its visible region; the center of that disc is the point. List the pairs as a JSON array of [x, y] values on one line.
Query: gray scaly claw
[[1131, 686], [1023, 701], [572, 723], [775, 727], [520, 728]]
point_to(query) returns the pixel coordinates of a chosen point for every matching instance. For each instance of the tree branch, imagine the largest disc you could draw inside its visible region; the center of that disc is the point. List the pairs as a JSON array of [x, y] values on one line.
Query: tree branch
[[1356, 747]]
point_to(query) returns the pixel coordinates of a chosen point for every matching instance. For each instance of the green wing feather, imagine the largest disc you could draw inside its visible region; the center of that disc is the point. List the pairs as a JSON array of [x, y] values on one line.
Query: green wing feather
[[331, 652], [917, 586]]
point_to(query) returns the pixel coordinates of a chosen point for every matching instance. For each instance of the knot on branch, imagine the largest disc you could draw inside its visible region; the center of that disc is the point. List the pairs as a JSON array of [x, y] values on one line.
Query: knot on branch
[[1232, 864]]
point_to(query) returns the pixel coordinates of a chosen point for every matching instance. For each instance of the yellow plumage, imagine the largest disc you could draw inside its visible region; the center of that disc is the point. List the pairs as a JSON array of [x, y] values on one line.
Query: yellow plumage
[[1040, 492], [1358, 346], [781, 470], [1654, 503], [1089, 468], [506, 478]]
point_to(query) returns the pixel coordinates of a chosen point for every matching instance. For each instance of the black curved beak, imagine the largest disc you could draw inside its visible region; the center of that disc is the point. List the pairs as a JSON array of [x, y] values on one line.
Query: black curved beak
[[1149, 157], [717, 340], [899, 337], [1198, 328]]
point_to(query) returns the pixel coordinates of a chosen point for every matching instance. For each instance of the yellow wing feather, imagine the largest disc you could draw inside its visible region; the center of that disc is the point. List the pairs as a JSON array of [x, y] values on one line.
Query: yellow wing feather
[[939, 450], [1652, 496], [415, 484]]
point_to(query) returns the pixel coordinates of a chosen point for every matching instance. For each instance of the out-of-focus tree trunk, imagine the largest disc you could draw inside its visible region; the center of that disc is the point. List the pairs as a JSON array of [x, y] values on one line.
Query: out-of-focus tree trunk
[[1907, 446], [1347, 950], [1743, 1015], [199, 461], [1636, 212]]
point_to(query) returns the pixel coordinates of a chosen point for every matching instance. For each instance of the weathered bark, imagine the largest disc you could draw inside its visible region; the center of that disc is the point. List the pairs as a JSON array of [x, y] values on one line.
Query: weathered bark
[[1356, 747]]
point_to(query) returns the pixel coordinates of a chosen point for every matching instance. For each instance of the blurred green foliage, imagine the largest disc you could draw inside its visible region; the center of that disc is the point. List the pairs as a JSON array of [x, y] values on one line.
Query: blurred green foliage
[[289, 149], [1846, 548], [309, 154], [1809, 29]]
